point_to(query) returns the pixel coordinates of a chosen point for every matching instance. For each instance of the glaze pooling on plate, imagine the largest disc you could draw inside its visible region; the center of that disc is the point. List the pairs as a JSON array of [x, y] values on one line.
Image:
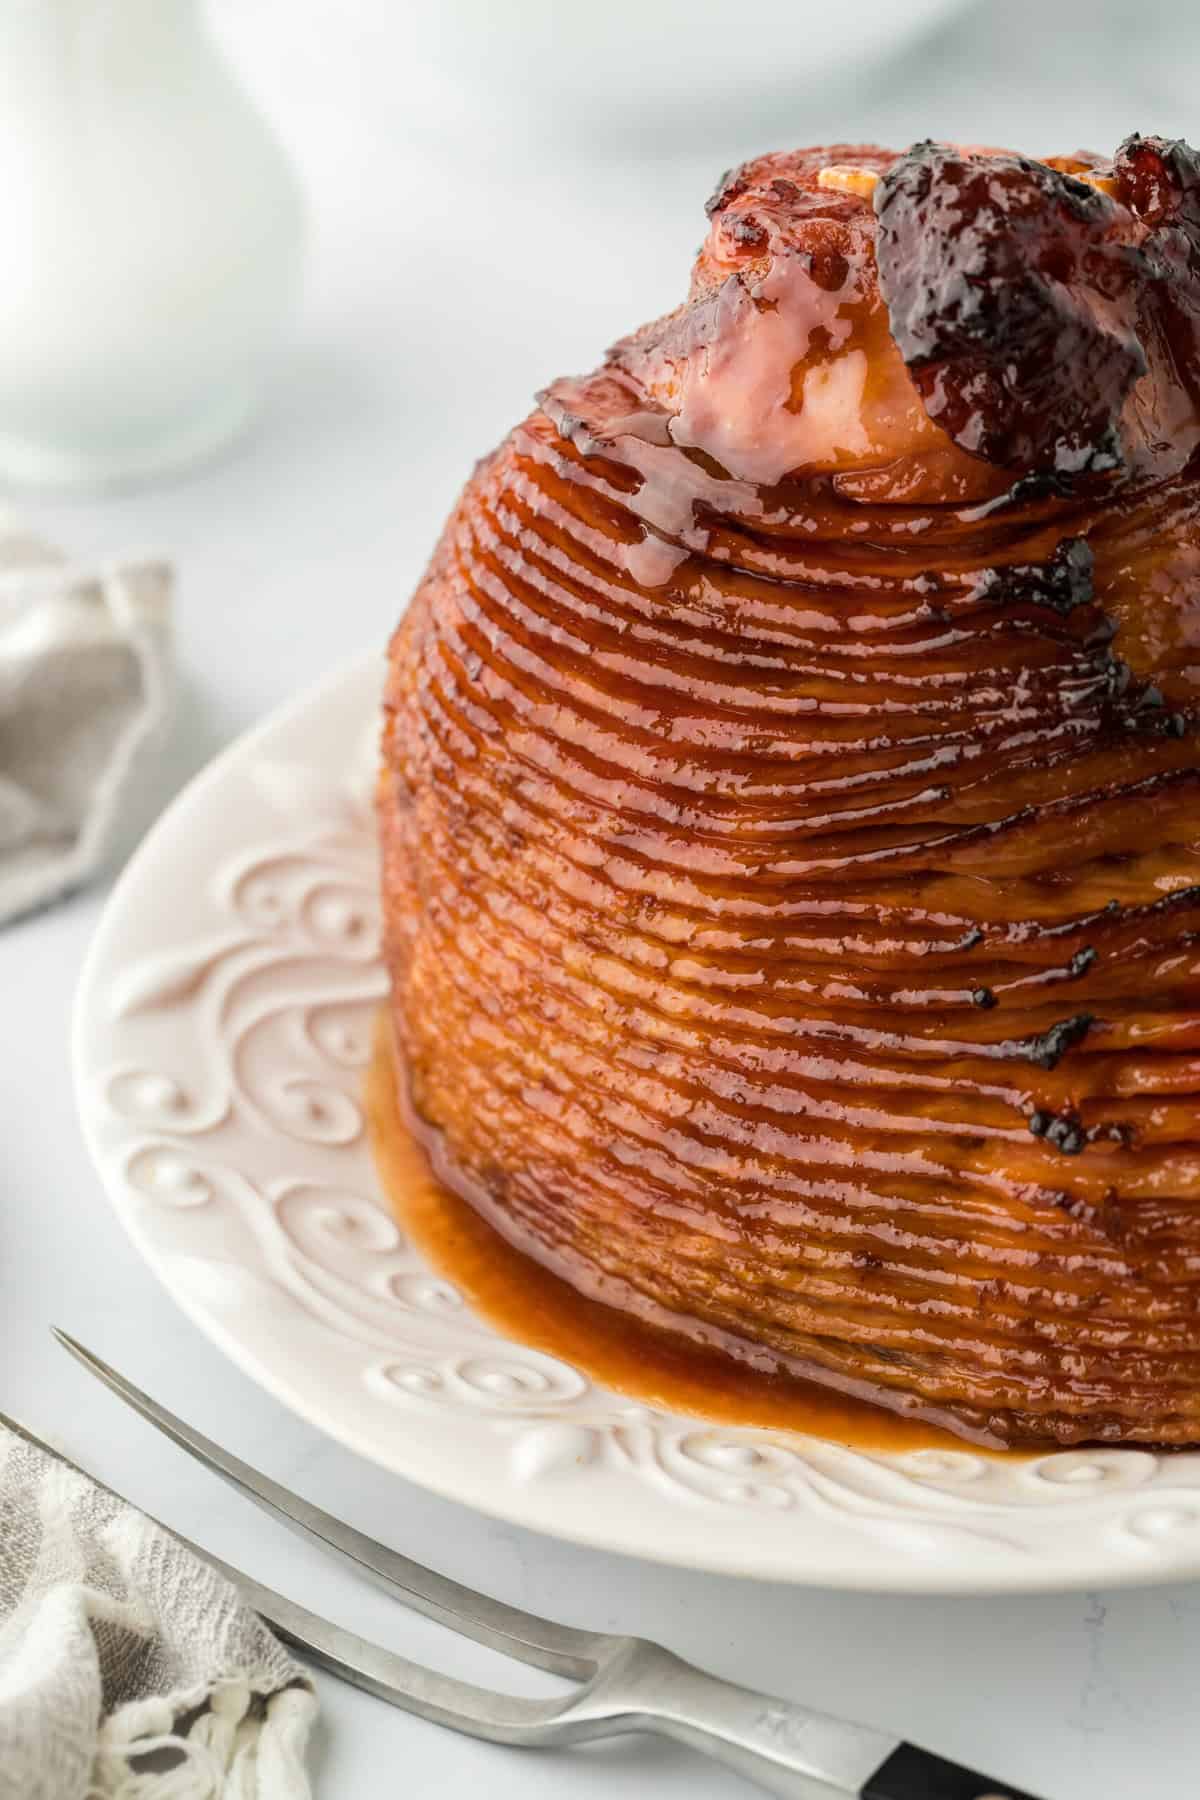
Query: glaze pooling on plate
[[222, 1032]]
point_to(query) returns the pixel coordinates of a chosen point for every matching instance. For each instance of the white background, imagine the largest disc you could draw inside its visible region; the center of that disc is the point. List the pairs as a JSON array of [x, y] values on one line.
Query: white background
[[480, 225]]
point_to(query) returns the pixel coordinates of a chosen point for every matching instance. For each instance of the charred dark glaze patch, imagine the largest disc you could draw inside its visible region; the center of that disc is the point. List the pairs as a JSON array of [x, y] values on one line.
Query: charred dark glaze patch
[[1062, 583], [998, 273], [1059, 1130], [1049, 1047]]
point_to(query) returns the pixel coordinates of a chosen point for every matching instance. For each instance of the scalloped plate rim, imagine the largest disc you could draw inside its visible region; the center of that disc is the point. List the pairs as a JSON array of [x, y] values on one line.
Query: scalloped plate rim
[[571, 1513]]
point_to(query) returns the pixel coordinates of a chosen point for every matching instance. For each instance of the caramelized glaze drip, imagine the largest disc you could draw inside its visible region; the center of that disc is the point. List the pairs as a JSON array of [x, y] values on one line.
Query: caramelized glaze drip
[[792, 872]]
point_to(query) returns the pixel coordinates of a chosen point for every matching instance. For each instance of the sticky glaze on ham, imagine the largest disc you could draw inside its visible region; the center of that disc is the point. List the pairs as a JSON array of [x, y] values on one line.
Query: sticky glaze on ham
[[790, 804]]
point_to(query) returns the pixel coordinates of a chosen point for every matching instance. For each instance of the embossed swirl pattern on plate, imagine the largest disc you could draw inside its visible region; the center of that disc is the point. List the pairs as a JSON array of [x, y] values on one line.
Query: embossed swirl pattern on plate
[[228, 1089]]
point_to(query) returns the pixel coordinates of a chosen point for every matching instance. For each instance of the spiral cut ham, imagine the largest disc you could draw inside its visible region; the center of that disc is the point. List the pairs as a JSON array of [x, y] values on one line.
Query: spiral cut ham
[[790, 800]]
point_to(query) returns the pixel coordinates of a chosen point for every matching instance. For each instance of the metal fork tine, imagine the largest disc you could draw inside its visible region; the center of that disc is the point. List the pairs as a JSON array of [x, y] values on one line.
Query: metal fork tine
[[638, 1686], [501, 1718], [559, 1648]]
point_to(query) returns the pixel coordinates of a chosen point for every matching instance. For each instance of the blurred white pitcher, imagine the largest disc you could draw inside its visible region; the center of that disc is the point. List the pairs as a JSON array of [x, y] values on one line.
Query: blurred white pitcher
[[152, 232]]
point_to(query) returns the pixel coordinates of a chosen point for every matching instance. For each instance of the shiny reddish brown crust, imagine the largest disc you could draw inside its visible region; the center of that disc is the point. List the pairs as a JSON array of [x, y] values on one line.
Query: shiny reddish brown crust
[[792, 887]]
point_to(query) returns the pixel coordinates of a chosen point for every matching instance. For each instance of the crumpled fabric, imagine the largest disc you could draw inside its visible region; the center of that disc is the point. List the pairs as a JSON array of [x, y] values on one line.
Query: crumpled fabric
[[85, 700], [129, 1670]]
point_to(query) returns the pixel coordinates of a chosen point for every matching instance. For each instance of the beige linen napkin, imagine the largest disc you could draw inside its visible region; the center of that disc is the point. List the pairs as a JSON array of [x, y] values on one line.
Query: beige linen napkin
[[128, 1669], [84, 699]]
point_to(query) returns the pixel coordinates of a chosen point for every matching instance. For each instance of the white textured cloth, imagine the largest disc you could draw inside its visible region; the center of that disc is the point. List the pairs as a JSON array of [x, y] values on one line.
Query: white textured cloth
[[129, 1670], [84, 699]]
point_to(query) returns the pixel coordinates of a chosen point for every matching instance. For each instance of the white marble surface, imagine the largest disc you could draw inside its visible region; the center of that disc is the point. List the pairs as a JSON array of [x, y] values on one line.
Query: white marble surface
[[450, 277]]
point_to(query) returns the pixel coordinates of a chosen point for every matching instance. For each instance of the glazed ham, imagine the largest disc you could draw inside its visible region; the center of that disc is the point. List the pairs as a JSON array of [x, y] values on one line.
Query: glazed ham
[[790, 800]]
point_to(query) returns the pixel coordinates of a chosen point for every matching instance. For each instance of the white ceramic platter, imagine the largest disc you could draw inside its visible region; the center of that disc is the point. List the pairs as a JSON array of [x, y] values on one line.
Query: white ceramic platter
[[223, 1027]]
